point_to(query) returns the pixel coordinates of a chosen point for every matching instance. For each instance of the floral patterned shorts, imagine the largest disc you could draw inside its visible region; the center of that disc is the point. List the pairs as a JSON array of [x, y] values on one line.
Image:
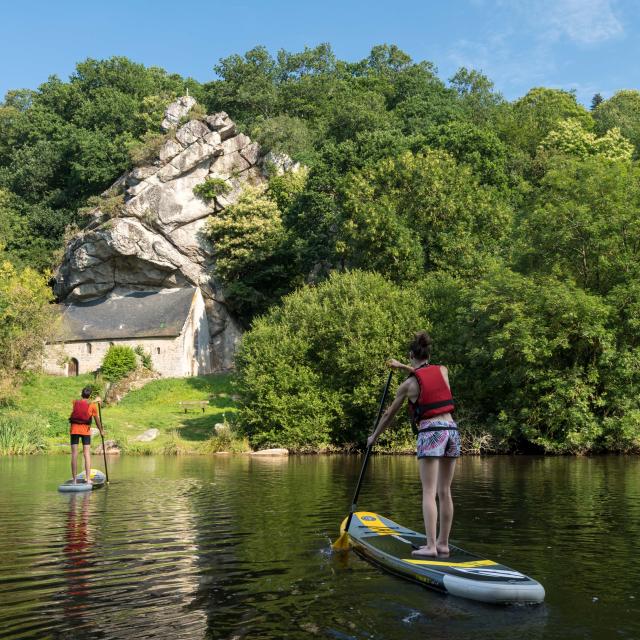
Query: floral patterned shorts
[[438, 439]]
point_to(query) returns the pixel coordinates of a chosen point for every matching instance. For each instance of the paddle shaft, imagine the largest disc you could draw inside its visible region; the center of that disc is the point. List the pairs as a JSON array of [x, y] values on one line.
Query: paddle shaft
[[368, 453], [104, 449]]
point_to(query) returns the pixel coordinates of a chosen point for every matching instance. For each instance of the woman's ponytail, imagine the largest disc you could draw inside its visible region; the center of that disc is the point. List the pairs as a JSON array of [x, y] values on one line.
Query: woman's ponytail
[[421, 346]]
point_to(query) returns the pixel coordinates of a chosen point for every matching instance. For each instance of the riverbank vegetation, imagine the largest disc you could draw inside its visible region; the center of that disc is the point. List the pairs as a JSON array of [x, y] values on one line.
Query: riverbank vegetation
[[38, 419], [510, 230]]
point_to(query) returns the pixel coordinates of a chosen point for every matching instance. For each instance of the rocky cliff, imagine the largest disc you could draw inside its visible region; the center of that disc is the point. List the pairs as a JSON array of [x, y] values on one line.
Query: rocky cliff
[[148, 234]]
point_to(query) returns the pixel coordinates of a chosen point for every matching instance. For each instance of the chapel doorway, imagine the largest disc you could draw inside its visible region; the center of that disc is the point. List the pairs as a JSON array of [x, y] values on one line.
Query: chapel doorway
[[74, 368]]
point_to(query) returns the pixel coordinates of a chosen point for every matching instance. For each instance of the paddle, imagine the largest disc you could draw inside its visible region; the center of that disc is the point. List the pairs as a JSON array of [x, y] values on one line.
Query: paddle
[[342, 543], [104, 449]]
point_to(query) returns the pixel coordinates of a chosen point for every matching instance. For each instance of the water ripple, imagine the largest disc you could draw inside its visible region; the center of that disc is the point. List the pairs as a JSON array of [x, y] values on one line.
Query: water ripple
[[239, 548]]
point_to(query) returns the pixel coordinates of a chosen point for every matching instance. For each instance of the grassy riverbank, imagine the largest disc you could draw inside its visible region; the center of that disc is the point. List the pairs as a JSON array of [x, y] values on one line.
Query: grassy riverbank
[[38, 421]]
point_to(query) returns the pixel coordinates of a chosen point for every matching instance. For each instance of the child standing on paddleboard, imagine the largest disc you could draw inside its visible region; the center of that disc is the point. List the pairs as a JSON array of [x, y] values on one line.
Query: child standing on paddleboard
[[82, 414], [430, 405]]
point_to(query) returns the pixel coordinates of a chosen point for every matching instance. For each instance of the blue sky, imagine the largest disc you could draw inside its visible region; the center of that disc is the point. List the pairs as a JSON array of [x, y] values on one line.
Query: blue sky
[[586, 45]]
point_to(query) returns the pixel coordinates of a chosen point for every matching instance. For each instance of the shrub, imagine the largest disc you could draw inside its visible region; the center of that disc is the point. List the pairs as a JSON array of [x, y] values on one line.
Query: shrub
[[311, 371], [175, 445], [197, 112], [528, 355], [532, 362], [211, 188], [118, 362], [130, 447], [112, 206], [145, 151], [145, 358], [229, 440]]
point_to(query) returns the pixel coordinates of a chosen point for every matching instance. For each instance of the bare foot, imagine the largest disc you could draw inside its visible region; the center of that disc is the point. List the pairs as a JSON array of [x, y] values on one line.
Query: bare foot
[[442, 549], [427, 551]]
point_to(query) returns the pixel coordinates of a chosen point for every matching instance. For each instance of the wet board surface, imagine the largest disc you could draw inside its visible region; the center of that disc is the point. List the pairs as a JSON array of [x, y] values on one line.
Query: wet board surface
[[98, 480], [463, 574]]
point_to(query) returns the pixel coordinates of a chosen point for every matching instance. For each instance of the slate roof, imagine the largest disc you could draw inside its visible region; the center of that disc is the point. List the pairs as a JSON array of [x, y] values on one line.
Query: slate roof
[[136, 314]]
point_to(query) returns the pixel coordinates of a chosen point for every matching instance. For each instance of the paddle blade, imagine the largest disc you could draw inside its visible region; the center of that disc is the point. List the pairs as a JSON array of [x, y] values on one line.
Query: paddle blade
[[342, 543]]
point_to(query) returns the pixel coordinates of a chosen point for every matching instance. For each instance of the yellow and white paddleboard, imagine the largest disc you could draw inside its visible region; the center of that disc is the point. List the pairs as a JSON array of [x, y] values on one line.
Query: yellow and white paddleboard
[[461, 573]]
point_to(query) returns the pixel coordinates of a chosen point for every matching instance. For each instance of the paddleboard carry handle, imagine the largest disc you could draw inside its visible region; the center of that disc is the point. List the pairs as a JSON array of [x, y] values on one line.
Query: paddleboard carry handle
[[354, 502]]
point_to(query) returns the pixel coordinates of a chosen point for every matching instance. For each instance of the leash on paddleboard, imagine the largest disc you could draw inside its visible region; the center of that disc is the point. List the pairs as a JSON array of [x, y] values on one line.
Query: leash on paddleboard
[[104, 449], [342, 543]]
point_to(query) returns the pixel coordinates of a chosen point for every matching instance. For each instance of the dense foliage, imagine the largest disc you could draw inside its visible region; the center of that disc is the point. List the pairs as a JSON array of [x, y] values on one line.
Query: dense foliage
[[508, 229], [533, 361], [312, 364], [25, 322], [254, 252]]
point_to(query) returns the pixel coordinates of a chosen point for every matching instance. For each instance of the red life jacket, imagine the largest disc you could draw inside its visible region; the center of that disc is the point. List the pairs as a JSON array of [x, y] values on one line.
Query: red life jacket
[[80, 413], [435, 396]]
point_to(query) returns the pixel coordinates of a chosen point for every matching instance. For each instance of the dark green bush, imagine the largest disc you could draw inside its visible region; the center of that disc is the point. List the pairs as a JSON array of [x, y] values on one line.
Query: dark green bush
[[530, 353], [211, 188], [118, 362], [311, 371], [532, 362]]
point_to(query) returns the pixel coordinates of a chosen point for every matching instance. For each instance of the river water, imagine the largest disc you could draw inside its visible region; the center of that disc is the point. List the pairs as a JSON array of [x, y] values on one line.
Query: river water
[[239, 547]]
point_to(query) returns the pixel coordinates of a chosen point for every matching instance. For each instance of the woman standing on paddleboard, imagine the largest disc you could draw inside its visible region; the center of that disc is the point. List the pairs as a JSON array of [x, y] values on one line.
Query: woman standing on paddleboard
[[430, 404]]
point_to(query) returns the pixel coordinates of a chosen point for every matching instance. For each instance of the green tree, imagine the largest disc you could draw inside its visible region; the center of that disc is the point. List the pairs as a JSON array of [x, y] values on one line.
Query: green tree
[[596, 100], [68, 141], [571, 138], [477, 95], [314, 61], [285, 134], [621, 111], [418, 213], [252, 252], [480, 148], [530, 355], [247, 86], [583, 223], [621, 378], [528, 120], [25, 322], [285, 188]]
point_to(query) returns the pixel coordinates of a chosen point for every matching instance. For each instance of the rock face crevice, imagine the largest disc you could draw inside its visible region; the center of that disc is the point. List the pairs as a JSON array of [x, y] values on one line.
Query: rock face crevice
[[157, 240]]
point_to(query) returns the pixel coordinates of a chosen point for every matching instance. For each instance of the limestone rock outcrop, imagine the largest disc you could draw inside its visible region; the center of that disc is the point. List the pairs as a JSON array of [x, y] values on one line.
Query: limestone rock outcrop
[[176, 111], [156, 237]]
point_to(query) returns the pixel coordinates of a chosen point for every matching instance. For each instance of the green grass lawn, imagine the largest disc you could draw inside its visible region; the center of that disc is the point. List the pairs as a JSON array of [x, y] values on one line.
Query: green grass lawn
[[153, 406]]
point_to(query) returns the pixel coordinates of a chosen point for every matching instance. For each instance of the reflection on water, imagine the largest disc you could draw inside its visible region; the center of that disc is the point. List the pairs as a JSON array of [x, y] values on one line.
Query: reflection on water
[[236, 547], [76, 561]]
